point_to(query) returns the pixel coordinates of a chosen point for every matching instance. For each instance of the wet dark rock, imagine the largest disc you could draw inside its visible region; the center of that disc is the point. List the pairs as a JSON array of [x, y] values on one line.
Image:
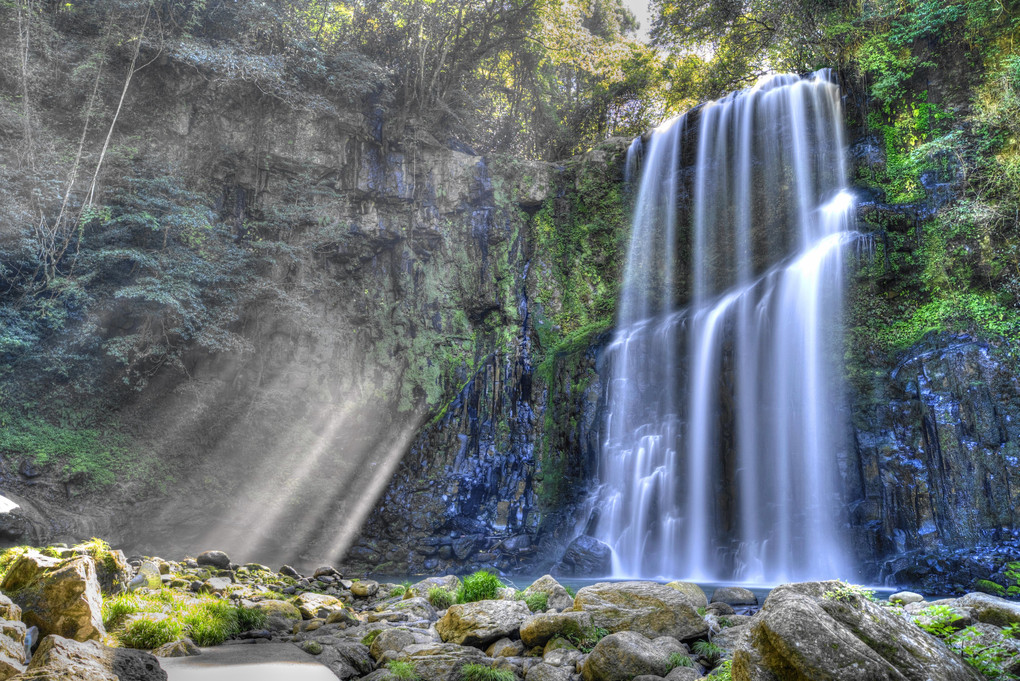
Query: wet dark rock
[[585, 557], [216, 559]]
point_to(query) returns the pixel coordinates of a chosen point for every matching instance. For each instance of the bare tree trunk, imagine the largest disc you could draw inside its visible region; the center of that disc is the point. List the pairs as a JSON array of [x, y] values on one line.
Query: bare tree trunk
[[127, 83], [25, 44]]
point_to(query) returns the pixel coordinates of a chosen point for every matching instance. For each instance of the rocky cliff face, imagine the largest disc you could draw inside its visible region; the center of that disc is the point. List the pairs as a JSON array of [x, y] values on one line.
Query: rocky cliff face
[[397, 348]]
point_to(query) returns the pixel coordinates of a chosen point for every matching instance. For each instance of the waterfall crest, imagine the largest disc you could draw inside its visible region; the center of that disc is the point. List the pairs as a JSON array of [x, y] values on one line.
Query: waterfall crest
[[719, 457]]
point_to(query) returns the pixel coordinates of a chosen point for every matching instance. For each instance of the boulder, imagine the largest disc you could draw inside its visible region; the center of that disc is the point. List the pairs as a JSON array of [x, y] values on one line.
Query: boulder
[[648, 608], [313, 605], [504, 647], [734, 595], [991, 609], [185, 647], [12, 639], [216, 559], [449, 582], [562, 657], [441, 661], [366, 588], [61, 659], [815, 630], [61, 598], [559, 599], [683, 674], [483, 622], [327, 571], [538, 629], [586, 557], [275, 608], [113, 572], [346, 659], [416, 609], [692, 591], [905, 598], [391, 639], [547, 672], [216, 585], [622, 656]]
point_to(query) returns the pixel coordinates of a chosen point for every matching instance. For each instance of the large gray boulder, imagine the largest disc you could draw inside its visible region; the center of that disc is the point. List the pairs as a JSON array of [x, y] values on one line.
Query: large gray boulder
[[559, 599], [622, 656], [391, 640], [692, 591], [59, 597], [483, 622], [734, 595], [540, 628], [441, 661], [648, 608], [991, 609], [12, 639], [818, 630], [61, 659]]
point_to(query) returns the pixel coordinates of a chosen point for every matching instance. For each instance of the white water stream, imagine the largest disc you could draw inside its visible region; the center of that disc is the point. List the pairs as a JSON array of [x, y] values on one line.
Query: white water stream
[[720, 449]]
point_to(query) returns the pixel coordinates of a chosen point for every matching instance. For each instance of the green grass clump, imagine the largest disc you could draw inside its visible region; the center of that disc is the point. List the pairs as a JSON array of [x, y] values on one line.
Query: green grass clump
[[206, 620], [210, 624], [851, 594], [588, 638], [481, 586], [405, 671], [441, 598], [708, 650], [148, 632], [479, 672], [537, 602], [250, 619], [678, 660], [117, 609]]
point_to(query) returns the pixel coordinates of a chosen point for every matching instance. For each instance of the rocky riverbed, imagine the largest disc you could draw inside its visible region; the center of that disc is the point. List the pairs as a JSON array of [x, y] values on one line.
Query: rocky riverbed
[[89, 612]]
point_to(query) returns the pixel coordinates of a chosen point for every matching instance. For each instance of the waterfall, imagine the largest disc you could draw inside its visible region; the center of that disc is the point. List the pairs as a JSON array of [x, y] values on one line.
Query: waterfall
[[719, 456]]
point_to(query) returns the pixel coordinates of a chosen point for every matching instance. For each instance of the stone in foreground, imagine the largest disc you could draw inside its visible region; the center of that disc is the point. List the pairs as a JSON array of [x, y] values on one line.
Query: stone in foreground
[[61, 659], [59, 597], [648, 608], [815, 630], [483, 622], [622, 656]]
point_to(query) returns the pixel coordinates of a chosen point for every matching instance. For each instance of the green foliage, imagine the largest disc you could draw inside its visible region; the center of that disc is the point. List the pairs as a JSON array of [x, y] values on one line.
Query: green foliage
[[251, 619], [851, 594], [938, 620], [370, 637], [989, 653], [150, 631], [481, 672], [571, 591], [678, 660], [588, 638], [724, 672], [405, 671], [10, 556], [536, 602], [165, 612], [990, 587], [480, 586], [708, 650], [97, 456], [441, 598]]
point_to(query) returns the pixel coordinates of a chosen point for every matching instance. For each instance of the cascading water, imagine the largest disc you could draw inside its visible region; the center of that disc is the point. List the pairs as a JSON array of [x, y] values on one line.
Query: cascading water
[[720, 449]]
